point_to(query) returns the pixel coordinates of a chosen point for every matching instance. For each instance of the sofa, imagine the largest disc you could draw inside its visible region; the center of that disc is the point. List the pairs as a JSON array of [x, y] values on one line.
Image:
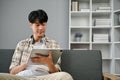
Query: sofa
[[81, 64]]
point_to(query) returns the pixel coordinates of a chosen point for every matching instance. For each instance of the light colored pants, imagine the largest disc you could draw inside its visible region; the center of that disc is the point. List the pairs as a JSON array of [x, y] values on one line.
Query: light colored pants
[[7, 76], [32, 72], [54, 76]]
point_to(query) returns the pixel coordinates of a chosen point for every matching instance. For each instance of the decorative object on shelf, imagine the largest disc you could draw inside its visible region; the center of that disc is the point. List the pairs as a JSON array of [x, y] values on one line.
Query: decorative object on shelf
[[75, 5], [78, 36]]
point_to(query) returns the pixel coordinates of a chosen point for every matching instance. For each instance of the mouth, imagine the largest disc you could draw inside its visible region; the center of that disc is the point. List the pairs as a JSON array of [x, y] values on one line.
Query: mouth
[[41, 32]]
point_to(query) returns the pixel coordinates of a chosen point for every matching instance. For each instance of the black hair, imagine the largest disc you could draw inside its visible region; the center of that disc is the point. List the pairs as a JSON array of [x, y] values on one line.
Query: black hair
[[39, 15]]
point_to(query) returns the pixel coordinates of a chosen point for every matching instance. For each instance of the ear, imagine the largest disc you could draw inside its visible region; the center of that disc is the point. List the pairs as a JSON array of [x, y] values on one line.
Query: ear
[[30, 25]]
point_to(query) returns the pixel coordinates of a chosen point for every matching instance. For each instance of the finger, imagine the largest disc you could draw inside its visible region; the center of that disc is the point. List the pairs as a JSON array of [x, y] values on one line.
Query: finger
[[41, 55], [38, 54], [50, 54], [34, 59]]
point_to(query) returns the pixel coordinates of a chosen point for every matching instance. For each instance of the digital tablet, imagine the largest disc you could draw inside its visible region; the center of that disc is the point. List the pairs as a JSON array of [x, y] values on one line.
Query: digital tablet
[[56, 53]]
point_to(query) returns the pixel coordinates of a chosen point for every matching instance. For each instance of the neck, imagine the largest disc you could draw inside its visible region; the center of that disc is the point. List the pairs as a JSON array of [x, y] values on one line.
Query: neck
[[37, 38]]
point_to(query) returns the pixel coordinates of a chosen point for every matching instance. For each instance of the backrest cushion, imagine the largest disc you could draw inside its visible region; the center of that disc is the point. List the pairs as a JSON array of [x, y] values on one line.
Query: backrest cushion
[[82, 64], [5, 59]]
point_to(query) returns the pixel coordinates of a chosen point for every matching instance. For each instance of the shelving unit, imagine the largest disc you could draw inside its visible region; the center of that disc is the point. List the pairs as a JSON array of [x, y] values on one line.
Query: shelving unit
[[116, 25], [95, 18]]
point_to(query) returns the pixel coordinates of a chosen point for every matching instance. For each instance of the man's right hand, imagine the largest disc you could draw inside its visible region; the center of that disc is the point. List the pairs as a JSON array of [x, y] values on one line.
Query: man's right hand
[[18, 69]]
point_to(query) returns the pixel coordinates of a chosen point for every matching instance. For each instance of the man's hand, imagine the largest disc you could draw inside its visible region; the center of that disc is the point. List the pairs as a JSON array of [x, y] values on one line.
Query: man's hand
[[43, 59], [18, 69], [46, 60]]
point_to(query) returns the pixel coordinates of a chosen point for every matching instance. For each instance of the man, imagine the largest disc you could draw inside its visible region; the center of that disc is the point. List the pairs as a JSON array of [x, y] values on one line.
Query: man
[[38, 22]]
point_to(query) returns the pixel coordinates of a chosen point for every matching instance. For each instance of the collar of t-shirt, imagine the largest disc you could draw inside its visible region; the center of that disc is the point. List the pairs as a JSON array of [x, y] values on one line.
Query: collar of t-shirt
[[40, 44]]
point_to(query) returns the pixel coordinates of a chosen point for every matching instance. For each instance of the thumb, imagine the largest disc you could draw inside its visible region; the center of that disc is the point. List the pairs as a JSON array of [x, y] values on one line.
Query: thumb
[[50, 54]]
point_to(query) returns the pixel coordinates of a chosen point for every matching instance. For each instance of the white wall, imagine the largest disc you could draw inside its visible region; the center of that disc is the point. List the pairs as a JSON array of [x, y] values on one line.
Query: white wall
[[14, 25]]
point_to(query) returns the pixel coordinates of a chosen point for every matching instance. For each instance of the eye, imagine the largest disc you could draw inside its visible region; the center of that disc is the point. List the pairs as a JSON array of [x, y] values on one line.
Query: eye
[[37, 25], [43, 24]]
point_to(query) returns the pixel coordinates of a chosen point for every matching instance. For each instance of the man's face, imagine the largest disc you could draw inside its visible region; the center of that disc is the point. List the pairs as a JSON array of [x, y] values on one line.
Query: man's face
[[38, 29]]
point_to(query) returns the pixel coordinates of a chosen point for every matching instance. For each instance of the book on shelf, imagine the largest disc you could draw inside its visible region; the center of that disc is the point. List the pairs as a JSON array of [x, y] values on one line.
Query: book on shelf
[[75, 6], [84, 10], [100, 41], [104, 8], [102, 26], [101, 22], [100, 37], [103, 19]]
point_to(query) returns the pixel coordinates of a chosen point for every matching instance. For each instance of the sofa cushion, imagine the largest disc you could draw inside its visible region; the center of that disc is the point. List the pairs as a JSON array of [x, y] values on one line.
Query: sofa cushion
[[5, 59], [82, 64]]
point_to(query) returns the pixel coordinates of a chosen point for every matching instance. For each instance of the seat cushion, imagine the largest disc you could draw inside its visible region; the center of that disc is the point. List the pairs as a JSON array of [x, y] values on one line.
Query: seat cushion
[[5, 59]]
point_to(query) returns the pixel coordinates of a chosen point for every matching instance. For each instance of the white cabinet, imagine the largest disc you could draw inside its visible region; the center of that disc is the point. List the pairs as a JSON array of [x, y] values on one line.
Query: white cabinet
[[95, 25]]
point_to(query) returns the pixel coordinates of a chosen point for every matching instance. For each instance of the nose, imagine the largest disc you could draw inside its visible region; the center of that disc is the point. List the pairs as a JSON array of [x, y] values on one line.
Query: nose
[[40, 27]]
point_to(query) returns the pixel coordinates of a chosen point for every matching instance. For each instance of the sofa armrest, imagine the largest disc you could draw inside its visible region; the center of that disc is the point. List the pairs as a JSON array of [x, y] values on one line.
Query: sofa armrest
[[108, 76]]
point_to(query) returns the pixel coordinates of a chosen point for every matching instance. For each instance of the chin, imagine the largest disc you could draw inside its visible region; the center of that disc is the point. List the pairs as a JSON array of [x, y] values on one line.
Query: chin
[[40, 36]]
